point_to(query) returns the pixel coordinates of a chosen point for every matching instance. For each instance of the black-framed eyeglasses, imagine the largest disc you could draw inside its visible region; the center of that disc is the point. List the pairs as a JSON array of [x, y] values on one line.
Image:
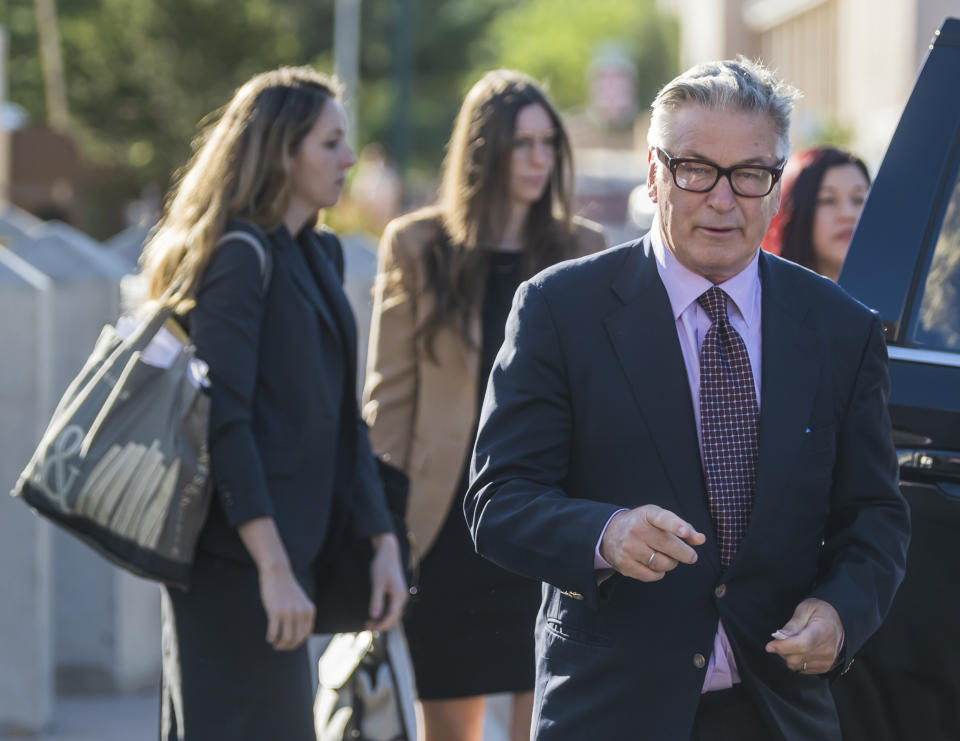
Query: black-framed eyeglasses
[[700, 176]]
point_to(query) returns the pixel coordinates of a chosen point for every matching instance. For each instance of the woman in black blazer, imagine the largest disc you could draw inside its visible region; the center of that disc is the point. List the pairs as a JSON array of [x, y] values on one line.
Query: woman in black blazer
[[286, 442]]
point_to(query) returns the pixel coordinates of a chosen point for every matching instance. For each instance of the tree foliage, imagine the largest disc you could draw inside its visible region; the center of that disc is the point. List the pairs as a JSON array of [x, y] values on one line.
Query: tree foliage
[[140, 74], [556, 40], [443, 34]]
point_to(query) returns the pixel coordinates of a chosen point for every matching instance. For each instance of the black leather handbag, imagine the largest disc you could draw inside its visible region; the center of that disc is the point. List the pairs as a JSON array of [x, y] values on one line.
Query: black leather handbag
[[342, 570]]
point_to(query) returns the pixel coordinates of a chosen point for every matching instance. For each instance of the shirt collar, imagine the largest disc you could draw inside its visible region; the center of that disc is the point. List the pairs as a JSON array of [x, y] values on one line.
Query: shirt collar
[[684, 286]]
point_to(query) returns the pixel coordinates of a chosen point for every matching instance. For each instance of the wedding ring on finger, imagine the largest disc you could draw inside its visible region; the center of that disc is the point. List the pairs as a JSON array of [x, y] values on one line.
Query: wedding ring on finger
[[650, 560]]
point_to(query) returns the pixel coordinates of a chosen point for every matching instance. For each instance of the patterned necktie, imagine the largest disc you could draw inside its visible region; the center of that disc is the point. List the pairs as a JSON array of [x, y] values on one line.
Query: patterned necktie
[[729, 420]]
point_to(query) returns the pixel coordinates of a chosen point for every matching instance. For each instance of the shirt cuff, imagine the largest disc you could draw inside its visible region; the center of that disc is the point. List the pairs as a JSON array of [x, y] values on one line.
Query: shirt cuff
[[599, 562]]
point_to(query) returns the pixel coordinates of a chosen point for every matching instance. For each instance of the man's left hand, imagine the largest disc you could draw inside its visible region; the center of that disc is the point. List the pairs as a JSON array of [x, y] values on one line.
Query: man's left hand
[[814, 636]]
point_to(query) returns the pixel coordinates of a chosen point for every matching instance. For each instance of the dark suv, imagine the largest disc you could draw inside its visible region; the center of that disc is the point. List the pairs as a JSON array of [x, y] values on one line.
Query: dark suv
[[904, 262]]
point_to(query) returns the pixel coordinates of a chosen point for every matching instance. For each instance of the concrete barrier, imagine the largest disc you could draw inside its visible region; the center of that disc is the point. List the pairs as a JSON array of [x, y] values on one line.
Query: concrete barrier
[[105, 622], [26, 613]]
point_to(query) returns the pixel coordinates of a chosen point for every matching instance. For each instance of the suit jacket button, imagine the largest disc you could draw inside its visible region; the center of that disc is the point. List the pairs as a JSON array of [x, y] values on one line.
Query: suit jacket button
[[699, 661], [720, 590]]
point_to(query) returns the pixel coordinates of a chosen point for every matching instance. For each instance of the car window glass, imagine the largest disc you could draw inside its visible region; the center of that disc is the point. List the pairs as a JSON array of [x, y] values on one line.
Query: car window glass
[[937, 324]]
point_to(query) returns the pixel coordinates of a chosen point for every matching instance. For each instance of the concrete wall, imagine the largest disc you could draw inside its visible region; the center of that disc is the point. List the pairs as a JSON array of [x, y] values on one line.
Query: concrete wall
[[77, 622], [136, 640], [880, 66], [704, 38], [360, 268], [26, 626]]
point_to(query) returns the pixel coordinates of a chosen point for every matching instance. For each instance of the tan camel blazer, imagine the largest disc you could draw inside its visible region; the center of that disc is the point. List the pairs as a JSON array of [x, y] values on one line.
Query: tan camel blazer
[[420, 412]]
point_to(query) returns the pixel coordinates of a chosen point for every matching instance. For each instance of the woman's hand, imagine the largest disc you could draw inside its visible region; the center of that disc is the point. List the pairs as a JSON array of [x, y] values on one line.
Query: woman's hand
[[388, 595], [290, 613]]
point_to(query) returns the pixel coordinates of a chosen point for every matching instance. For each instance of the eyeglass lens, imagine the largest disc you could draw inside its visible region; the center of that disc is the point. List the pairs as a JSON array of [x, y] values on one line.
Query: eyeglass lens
[[745, 181]]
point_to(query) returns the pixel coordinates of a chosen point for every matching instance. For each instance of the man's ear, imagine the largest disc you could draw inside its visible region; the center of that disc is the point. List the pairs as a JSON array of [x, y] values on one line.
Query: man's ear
[[651, 176]]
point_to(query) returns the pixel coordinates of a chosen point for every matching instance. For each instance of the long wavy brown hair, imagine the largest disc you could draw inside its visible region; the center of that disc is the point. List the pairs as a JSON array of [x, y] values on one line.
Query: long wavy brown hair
[[237, 170], [474, 200]]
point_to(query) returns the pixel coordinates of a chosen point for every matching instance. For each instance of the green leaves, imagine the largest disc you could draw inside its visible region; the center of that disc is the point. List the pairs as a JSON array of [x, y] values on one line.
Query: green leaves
[[556, 40], [140, 74]]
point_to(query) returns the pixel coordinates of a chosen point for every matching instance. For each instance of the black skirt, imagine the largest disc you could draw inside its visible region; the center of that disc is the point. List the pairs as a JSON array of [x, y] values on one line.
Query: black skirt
[[221, 679], [471, 625]]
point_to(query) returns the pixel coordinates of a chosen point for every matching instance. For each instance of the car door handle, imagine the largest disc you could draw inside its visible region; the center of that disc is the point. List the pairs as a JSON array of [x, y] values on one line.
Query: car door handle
[[936, 464]]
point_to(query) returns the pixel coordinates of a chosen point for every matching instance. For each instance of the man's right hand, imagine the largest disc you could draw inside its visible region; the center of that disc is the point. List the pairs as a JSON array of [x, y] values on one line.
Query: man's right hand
[[646, 542]]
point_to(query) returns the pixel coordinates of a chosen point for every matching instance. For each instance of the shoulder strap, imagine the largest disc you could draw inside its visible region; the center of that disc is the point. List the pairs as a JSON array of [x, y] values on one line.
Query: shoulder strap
[[266, 265]]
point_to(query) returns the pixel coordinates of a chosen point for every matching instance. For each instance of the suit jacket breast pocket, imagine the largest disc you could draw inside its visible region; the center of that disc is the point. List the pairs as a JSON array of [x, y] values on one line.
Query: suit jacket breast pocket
[[819, 445]]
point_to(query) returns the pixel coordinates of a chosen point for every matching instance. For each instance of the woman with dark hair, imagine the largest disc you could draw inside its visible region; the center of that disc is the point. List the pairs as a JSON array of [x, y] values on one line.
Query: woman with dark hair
[[266, 312], [446, 279], [821, 194]]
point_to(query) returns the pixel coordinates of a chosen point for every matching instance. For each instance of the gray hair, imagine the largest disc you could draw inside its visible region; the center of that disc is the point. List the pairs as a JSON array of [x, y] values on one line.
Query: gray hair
[[737, 84]]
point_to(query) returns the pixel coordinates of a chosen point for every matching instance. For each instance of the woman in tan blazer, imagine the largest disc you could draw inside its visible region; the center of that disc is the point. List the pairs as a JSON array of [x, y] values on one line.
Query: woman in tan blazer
[[446, 279]]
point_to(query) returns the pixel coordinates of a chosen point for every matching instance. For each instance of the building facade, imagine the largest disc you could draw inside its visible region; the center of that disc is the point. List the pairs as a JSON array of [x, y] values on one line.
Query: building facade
[[854, 60]]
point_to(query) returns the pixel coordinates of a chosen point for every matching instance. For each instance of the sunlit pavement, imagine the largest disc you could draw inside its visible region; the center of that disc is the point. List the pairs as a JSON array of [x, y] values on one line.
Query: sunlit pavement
[[101, 718], [135, 718]]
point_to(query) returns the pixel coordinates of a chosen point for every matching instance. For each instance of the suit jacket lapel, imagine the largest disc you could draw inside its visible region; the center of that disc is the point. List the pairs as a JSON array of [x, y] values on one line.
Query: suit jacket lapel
[[330, 286], [302, 275], [790, 372], [644, 335]]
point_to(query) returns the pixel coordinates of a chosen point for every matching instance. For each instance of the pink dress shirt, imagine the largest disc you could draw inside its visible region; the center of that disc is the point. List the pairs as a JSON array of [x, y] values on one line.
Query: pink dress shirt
[[743, 305]]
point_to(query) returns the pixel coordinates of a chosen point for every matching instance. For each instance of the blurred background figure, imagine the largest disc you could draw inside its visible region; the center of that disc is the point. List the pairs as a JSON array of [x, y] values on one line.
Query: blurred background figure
[[376, 188], [822, 192], [447, 275]]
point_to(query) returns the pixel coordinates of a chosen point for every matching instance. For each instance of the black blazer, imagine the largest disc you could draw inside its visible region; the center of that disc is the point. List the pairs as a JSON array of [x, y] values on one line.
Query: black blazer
[[588, 410], [285, 432]]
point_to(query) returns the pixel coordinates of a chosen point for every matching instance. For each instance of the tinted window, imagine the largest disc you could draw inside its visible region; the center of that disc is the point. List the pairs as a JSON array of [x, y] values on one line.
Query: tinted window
[[937, 323]]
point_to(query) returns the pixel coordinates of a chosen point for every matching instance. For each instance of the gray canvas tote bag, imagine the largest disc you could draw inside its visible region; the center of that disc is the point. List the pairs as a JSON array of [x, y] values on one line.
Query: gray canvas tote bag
[[124, 462]]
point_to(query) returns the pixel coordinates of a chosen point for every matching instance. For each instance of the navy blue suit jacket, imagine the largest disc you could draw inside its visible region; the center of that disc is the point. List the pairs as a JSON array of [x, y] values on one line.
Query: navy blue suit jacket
[[588, 410], [285, 432]]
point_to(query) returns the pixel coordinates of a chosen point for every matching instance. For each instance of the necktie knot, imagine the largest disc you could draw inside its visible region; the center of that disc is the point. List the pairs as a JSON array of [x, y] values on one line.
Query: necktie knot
[[714, 302]]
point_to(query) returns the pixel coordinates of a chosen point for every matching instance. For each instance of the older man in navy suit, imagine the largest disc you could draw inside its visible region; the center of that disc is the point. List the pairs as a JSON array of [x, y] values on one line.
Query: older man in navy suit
[[687, 440]]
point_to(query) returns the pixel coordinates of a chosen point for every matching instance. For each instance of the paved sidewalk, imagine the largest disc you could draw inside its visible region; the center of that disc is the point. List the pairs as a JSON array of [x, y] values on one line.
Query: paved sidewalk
[[101, 718], [135, 718]]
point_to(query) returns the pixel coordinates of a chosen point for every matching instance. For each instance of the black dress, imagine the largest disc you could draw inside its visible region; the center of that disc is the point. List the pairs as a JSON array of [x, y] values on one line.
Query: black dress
[[471, 625]]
